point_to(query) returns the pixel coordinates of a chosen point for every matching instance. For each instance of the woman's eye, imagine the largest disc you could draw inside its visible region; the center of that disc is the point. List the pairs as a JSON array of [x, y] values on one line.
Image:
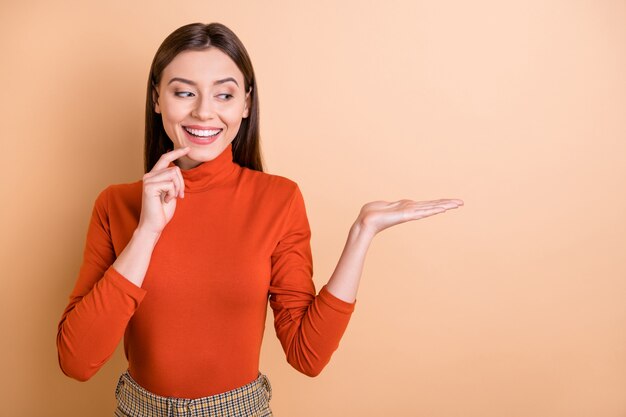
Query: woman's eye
[[181, 94], [227, 98]]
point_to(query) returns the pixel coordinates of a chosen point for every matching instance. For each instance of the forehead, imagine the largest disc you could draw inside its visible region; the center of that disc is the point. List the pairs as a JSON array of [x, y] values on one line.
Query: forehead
[[203, 67]]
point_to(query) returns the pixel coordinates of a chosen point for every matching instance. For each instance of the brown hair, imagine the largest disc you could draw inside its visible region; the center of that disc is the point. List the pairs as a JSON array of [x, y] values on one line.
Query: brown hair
[[198, 37]]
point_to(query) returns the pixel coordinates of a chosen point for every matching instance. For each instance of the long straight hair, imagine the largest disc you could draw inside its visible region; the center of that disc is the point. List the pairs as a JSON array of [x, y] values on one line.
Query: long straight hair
[[198, 37]]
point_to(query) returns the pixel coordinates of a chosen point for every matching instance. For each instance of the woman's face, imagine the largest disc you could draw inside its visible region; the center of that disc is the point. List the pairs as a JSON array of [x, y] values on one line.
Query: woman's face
[[202, 102]]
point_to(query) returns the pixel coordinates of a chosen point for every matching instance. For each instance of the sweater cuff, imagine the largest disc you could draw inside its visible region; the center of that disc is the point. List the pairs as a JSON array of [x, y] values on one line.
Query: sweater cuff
[[336, 303], [117, 279]]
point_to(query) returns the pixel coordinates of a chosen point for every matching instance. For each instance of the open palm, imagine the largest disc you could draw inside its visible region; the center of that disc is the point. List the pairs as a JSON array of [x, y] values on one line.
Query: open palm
[[379, 215]]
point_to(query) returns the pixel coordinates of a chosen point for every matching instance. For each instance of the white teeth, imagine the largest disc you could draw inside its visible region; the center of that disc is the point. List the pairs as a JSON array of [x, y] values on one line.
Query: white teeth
[[203, 132]]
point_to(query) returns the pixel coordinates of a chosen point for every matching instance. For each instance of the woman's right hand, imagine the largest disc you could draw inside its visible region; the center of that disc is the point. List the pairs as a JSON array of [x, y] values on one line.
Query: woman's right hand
[[162, 185]]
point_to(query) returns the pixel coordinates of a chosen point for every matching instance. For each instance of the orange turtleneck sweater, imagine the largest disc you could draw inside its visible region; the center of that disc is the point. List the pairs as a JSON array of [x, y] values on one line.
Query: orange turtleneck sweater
[[194, 328]]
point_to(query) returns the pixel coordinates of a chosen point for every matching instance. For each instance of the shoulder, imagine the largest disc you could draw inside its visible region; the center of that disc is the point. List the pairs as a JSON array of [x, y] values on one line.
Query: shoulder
[[118, 193], [277, 185], [125, 189]]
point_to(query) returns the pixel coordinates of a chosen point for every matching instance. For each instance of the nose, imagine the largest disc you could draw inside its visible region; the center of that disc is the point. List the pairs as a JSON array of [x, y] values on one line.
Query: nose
[[203, 109]]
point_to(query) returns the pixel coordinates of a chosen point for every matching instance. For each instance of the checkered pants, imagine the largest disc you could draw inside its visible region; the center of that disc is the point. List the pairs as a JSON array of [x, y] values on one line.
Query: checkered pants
[[251, 400]]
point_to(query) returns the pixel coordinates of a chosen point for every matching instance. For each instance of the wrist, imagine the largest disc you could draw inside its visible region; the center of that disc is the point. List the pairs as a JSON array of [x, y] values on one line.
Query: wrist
[[360, 231], [146, 235]]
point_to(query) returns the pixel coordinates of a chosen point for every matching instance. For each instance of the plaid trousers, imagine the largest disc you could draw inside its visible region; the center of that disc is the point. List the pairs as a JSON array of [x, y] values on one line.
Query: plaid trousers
[[251, 400]]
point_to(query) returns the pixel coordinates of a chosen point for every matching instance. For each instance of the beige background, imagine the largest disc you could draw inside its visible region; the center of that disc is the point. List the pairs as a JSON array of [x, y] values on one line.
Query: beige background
[[512, 305]]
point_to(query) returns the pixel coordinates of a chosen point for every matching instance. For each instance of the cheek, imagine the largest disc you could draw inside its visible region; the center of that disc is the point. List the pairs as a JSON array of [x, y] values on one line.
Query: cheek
[[174, 112], [233, 115]]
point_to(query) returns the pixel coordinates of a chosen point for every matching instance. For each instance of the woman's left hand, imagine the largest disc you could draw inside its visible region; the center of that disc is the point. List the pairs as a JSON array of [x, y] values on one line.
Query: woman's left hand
[[379, 215]]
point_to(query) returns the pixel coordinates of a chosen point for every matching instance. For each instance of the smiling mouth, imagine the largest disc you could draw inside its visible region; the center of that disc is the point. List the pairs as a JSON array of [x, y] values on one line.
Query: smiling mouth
[[203, 133]]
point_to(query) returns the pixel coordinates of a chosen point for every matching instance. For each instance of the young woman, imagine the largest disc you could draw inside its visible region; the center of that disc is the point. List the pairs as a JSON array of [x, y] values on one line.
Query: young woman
[[183, 262]]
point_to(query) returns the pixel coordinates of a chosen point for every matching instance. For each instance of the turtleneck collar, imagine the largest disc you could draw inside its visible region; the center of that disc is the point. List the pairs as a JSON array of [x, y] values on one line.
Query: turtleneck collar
[[209, 173]]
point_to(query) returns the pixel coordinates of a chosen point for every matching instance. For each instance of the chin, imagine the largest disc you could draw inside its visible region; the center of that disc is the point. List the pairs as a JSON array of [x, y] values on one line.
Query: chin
[[203, 153]]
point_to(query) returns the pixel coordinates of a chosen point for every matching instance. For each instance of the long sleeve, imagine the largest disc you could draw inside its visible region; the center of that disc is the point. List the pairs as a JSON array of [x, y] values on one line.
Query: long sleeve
[[309, 327], [100, 305]]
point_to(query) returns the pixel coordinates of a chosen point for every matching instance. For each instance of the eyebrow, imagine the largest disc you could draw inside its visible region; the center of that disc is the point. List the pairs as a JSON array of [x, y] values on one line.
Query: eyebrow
[[222, 81]]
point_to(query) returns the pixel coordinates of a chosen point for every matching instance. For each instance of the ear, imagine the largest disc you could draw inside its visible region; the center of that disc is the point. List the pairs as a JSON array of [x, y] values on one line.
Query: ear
[[246, 109], [155, 100]]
